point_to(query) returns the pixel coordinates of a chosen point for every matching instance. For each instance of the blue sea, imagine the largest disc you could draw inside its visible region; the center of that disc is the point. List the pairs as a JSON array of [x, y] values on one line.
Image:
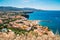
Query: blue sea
[[51, 19]]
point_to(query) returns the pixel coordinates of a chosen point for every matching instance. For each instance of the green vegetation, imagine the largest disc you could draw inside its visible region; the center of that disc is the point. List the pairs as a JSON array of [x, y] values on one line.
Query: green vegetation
[[18, 31]]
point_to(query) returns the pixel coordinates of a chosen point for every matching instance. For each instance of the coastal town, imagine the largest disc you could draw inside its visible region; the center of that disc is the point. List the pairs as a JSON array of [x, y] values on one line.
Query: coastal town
[[16, 27], [29, 19]]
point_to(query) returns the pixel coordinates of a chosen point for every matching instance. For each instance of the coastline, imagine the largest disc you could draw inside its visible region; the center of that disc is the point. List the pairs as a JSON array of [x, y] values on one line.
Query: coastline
[[21, 27]]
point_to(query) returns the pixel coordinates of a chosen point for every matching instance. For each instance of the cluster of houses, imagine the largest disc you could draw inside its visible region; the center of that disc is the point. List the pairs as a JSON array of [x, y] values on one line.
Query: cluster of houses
[[21, 22]]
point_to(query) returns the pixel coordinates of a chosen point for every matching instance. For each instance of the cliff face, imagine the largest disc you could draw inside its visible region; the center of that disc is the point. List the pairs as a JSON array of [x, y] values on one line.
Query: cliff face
[[26, 16]]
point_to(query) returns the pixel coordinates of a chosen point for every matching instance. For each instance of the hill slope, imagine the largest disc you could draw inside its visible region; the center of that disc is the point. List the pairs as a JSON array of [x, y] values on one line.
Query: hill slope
[[15, 9]]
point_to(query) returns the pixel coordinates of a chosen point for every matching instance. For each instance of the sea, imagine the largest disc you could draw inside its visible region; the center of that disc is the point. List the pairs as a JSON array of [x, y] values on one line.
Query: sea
[[50, 19]]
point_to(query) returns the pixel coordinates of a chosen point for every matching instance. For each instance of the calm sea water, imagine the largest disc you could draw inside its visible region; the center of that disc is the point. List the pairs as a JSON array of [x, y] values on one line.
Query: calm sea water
[[49, 18]]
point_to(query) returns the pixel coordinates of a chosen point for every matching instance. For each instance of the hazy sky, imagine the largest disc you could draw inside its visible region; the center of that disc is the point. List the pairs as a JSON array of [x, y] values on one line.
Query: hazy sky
[[38, 4]]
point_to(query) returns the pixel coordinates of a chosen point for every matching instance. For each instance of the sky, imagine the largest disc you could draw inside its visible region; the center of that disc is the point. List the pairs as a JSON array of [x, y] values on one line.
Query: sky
[[37, 4]]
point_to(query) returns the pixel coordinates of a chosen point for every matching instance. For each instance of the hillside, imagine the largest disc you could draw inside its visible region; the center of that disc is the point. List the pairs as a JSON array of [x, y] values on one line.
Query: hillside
[[19, 27], [2, 8]]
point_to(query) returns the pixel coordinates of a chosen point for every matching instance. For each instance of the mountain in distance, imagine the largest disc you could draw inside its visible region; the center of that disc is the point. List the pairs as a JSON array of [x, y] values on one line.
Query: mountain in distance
[[8, 8], [2, 8]]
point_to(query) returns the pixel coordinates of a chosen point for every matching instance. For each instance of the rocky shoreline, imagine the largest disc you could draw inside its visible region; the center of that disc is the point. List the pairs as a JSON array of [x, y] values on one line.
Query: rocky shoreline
[[19, 28]]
